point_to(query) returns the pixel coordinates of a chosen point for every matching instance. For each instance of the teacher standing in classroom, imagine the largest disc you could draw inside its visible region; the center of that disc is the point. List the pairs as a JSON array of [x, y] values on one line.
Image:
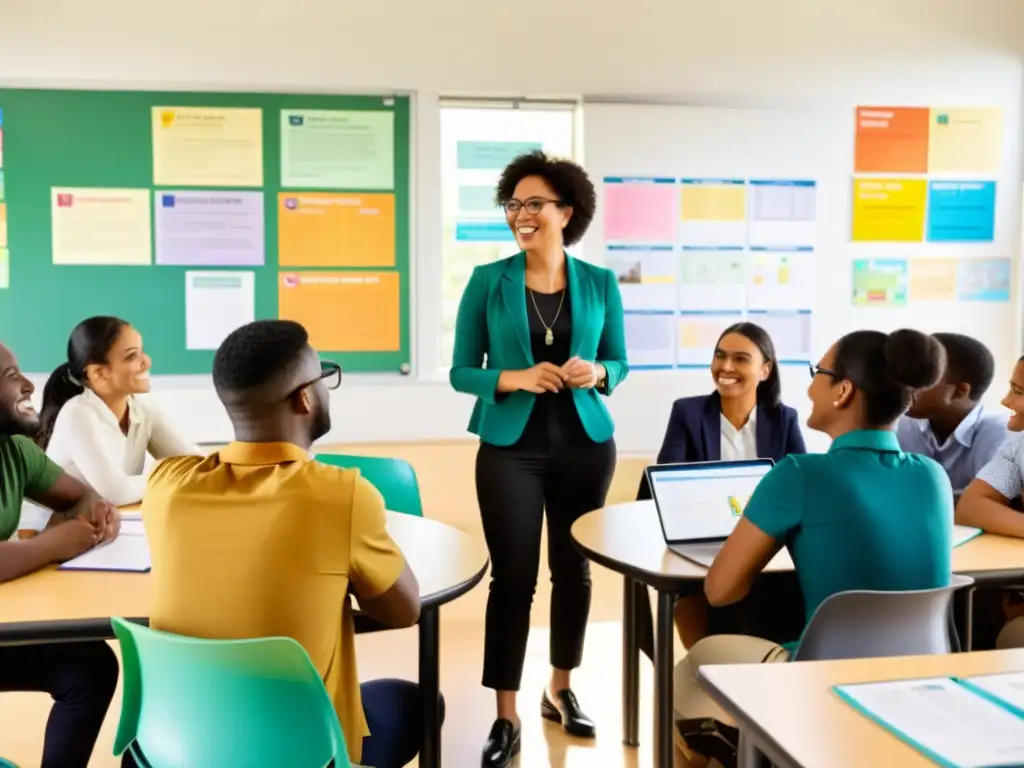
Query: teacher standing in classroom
[[539, 340]]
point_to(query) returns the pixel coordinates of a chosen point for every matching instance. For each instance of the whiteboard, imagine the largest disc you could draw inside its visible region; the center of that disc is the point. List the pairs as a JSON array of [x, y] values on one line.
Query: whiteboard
[[647, 140]]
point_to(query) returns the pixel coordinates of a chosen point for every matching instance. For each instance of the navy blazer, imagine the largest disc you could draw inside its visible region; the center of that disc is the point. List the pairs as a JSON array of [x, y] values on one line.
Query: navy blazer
[[694, 433]]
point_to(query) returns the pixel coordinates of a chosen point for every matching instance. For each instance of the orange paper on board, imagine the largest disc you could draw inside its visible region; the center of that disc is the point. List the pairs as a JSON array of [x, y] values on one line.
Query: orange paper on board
[[322, 229], [892, 140], [343, 311]]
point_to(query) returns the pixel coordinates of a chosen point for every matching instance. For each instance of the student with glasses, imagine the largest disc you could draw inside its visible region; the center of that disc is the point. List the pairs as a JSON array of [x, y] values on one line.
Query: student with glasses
[[539, 341], [260, 540], [863, 516]]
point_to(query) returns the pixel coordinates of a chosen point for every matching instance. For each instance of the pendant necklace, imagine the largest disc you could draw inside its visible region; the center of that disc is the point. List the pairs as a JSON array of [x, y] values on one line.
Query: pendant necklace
[[549, 335]]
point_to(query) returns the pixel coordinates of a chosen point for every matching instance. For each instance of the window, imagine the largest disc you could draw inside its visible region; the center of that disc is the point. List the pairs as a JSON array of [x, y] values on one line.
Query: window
[[477, 142]]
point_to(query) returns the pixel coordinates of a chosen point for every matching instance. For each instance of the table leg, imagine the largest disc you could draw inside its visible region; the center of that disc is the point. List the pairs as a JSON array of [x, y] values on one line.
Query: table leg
[[748, 755], [430, 641], [630, 663], [663, 674]]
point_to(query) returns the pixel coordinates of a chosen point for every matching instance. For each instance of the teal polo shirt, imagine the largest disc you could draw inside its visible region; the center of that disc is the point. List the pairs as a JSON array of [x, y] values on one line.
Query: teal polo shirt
[[864, 516]]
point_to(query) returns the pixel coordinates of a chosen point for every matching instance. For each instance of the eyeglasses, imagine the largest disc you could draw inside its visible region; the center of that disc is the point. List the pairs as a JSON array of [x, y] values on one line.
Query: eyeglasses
[[533, 206], [330, 374], [815, 370]]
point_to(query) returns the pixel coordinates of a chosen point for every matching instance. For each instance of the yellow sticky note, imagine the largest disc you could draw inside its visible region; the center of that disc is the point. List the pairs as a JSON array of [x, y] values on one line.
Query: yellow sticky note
[[965, 140], [714, 202], [932, 279], [206, 147], [101, 226], [889, 210]]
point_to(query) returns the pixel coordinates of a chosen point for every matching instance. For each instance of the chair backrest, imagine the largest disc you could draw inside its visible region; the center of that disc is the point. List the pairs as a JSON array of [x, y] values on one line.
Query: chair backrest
[[867, 624], [394, 478], [191, 702]]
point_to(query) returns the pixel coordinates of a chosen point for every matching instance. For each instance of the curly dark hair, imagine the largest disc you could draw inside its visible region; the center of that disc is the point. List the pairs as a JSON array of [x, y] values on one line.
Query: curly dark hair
[[256, 353], [569, 181]]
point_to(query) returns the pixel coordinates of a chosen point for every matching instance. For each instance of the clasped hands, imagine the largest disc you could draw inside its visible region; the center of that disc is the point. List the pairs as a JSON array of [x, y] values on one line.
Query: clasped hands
[[576, 373]]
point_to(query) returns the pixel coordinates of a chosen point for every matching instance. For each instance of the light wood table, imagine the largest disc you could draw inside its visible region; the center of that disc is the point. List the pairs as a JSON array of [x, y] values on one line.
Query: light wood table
[[61, 606], [789, 714], [627, 538]]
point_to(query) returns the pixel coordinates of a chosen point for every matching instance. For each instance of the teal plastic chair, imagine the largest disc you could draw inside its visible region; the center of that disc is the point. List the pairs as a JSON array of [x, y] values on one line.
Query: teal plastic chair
[[190, 702], [7, 764], [394, 478]]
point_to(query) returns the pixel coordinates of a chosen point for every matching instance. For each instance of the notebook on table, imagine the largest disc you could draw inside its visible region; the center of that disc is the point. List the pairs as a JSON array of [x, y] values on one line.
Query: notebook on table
[[700, 503], [972, 722], [129, 552]]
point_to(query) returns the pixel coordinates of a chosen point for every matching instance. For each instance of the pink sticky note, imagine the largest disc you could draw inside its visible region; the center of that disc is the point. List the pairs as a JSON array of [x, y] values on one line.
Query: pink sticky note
[[641, 211]]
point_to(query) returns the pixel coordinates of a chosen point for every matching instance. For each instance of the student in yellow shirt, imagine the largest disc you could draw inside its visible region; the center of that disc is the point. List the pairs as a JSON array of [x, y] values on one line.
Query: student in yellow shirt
[[259, 540]]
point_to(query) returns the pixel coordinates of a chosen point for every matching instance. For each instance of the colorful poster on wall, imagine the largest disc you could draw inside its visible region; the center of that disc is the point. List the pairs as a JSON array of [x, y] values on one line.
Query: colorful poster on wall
[[3, 225], [207, 147], [961, 211], [2, 188], [965, 140], [713, 279], [889, 210], [983, 280], [648, 276], [790, 331], [5, 268], [344, 311], [713, 212], [783, 213], [880, 282], [640, 211], [891, 140], [216, 303], [933, 279], [101, 226], [491, 155], [483, 232], [699, 332], [780, 279], [326, 229], [218, 229], [650, 338], [337, 149]]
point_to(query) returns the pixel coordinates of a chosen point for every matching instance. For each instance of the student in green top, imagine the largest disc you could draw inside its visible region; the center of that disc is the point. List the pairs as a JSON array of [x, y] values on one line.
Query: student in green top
[[864, 515], [81, 677]]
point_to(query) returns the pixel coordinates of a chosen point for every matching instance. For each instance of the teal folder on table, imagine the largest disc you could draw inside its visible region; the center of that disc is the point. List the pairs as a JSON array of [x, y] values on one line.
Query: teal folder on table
[[975, 722]]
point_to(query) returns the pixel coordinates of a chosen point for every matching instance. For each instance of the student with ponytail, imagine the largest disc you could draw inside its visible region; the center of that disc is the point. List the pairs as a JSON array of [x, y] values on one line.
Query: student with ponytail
[[863, 516], [93, 424]]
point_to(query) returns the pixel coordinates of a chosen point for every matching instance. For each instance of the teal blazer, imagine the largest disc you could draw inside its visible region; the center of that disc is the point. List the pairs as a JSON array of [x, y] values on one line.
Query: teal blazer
[[492, 334]]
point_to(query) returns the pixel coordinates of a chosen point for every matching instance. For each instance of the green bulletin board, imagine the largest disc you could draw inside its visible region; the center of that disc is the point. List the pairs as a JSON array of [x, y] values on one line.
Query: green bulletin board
[[90, 141]]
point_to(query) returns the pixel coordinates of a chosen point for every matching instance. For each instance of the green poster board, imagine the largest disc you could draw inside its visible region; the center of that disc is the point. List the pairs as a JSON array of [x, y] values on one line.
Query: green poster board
[[105, 139]]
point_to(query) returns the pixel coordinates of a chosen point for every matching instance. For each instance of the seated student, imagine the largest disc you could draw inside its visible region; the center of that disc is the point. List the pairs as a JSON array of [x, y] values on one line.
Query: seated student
[[93, 425], [743, 418], [81, 677], [992, 502], [260, 540], [947, 422], [864, 515]]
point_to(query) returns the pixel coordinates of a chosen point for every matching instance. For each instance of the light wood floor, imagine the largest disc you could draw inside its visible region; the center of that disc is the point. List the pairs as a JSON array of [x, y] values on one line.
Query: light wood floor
[[445, 472]]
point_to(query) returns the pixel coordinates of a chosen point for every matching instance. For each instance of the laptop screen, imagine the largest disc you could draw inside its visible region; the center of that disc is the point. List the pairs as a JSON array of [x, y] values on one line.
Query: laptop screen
[[704, 501]]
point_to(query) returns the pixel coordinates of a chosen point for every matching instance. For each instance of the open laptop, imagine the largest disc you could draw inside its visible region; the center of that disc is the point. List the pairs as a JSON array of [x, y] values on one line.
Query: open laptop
[[700, 503]]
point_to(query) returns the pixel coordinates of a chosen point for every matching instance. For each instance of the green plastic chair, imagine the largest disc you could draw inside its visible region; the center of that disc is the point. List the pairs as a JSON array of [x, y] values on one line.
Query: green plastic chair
[[190, 702], [394, 478]]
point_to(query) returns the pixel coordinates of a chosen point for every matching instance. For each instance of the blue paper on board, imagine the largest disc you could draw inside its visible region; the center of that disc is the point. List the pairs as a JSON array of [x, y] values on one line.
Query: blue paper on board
[[961, 211]]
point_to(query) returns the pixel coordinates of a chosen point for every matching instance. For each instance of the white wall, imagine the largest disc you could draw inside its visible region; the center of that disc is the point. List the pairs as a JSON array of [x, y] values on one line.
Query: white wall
[[733, 51]]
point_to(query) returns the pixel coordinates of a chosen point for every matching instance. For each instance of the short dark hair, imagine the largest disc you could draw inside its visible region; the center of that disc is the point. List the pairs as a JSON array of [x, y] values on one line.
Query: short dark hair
[[255, 353], [888, 369], [569, 181], [769, 391], [968, 361], [89, 344]]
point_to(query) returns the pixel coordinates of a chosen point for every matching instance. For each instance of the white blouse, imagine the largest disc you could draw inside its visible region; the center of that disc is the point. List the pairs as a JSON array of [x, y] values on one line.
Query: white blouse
[[88, 443], [739, 444]]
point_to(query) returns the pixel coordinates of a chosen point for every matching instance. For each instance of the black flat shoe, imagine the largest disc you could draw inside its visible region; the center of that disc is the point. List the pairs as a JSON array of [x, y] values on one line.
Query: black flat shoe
[[568, 713], [502, 745]]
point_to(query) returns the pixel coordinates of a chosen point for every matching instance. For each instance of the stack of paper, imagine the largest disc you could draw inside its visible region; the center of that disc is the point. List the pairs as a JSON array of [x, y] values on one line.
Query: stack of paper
[[128, 552], [964, 533], [975, 722]]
